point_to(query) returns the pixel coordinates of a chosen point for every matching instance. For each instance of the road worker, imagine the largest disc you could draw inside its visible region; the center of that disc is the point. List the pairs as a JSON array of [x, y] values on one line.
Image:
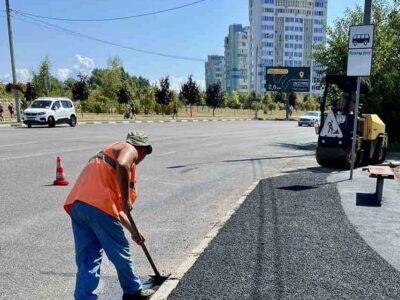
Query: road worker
[[98, 204]]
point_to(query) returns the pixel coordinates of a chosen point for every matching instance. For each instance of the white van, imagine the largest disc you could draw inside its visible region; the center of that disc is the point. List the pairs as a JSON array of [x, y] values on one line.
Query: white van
[[50, 111]]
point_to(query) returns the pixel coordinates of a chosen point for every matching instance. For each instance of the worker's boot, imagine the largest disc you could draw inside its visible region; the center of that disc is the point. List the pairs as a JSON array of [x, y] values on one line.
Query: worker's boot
[[144, 294]]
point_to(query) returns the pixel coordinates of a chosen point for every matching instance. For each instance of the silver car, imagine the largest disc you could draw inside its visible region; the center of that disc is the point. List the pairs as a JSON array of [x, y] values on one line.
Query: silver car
[[310, 118]]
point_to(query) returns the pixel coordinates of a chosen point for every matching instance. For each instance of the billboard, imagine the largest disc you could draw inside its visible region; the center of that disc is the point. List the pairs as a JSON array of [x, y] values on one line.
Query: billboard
[[288, 79]]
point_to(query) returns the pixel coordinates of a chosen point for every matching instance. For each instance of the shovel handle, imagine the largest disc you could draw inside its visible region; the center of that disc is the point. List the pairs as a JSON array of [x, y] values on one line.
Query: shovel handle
[[146, 252]]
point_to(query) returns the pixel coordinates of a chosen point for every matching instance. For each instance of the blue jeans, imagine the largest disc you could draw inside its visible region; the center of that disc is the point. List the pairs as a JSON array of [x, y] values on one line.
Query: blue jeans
[[94, 230]]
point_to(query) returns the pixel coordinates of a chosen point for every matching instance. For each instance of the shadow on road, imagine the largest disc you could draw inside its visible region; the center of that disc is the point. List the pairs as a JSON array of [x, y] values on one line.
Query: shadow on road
[[306, 147], [240, 160]]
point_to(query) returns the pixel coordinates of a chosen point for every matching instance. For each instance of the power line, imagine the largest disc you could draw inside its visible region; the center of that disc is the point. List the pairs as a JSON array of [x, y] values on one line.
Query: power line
[[81, 35], [111, 19]]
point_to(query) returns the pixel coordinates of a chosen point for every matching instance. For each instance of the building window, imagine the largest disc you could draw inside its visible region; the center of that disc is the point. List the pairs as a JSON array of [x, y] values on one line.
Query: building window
[[268, 1], [269, 9], [268, 27], [268, 18], [267, 44], [318, 39], [318, 13]]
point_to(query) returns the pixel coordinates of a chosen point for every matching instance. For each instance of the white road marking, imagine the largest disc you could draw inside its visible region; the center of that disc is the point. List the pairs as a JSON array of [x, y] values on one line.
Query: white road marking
[[165, 154], [8, 158], [18, 144]]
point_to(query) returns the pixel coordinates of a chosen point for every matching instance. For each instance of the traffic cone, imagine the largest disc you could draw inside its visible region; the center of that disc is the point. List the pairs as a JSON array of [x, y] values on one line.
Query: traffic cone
[[60, 176]]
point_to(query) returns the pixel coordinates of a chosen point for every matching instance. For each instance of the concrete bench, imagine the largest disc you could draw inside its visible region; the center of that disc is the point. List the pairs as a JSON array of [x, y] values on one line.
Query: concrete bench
[[380, 173]]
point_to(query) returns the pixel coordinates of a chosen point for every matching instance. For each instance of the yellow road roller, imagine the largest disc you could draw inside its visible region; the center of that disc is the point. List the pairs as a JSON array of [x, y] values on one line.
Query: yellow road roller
[[336, 128]]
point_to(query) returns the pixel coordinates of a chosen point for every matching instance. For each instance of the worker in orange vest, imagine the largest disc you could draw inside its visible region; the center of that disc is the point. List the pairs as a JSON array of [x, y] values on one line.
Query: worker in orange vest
[[98, 204]]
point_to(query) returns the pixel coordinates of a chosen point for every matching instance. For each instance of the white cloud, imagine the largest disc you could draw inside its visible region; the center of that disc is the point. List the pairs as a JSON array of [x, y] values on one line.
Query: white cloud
[[175, 83], [83, 64], [63, 74], [23, 75]]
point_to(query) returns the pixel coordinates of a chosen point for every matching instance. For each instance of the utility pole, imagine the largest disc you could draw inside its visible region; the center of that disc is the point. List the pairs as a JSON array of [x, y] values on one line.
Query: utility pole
[[10, 40], [366, 21]]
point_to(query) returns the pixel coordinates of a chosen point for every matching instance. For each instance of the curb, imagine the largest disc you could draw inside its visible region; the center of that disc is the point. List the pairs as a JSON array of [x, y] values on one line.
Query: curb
[[160, 121], [171, 283], [155, 121]]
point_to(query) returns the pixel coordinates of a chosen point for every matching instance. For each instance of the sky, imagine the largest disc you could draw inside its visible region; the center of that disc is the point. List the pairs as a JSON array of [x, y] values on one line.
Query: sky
[[195, 31]]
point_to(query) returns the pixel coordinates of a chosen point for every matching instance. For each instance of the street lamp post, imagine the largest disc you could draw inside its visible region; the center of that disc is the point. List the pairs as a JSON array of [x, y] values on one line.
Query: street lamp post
[[10, 40]]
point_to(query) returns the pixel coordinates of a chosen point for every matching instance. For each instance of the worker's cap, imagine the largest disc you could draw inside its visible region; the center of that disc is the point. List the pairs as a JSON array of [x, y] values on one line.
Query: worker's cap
[[140, 139]]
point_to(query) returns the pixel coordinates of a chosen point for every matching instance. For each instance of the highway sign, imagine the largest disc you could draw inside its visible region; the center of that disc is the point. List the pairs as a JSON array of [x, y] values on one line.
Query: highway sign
[[361, 44], [288, 79]]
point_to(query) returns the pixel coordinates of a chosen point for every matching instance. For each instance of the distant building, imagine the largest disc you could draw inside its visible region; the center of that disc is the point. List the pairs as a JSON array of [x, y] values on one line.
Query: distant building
[[237, 59], [283, 33], [215, 70]]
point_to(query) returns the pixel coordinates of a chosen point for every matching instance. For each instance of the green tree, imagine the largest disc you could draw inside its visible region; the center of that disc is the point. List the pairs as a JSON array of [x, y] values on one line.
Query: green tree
[[163, 93], [255, 103], [30, 92], [190, 93], [202, 99], [267, 99], [3, 93], [384, 96], [148, 99], [123, 95], [214, 96], [234, 102], [271, 106], [174, 105], [80, 89], [294, 99]]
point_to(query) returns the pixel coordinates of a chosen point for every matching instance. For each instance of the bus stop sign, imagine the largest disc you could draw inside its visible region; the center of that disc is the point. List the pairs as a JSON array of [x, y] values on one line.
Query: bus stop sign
[[361, 44]]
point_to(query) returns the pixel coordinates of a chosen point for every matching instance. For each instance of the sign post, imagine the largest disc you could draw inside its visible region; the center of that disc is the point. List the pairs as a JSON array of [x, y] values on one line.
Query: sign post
[[361, 44]]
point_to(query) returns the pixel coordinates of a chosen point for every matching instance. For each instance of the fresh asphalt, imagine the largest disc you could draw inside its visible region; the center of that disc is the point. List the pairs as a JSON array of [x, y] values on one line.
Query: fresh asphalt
[[290, 239], [196, 173]]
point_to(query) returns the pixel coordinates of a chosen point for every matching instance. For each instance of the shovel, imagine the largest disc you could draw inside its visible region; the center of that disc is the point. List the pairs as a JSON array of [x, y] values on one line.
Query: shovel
[[157, 279]]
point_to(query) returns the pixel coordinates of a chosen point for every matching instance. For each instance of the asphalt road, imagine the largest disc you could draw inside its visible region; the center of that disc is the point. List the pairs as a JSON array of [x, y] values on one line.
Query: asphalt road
[[197, 171], [290, 239]]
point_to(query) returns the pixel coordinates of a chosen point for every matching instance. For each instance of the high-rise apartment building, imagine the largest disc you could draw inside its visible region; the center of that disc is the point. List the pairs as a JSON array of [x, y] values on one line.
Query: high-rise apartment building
[[283, 33], [237, 59], [215, 70]]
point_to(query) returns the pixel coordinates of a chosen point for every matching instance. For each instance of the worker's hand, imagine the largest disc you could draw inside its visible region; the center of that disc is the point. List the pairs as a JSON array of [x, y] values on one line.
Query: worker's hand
[[137, 238], [126, 206]]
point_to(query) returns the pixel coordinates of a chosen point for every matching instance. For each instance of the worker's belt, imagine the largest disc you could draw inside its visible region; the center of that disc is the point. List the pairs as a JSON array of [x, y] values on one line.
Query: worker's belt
[[101, 155], [106, 158]]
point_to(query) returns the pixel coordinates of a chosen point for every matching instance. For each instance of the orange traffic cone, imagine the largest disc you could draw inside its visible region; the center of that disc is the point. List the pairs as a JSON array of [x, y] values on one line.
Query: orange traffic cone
[[60, 176]]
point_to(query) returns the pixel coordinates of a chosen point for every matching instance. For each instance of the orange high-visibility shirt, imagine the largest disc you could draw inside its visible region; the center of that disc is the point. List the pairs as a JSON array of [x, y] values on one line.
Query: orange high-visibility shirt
[[97, 186]]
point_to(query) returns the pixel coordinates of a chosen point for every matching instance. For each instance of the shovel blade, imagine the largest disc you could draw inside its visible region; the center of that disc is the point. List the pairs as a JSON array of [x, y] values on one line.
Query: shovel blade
[[155, 281]]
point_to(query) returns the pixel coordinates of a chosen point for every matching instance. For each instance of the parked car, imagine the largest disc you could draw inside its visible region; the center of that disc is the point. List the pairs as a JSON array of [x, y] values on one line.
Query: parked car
[[50, 111], [310, 118]]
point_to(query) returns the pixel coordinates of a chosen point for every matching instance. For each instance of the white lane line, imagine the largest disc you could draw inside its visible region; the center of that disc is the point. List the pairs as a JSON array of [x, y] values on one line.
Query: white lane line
[[18, 144], [46, 153], [165, 154]]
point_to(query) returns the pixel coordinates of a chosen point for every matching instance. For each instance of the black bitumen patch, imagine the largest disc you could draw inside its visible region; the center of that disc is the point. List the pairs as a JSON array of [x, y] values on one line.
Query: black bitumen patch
[[290, 243]]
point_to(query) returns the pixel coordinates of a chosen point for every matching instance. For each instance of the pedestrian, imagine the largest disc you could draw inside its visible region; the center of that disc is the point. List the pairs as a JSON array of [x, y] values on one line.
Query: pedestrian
[[11, 110], [1, 112], [98, 205], [175, 113], [133, 111]]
